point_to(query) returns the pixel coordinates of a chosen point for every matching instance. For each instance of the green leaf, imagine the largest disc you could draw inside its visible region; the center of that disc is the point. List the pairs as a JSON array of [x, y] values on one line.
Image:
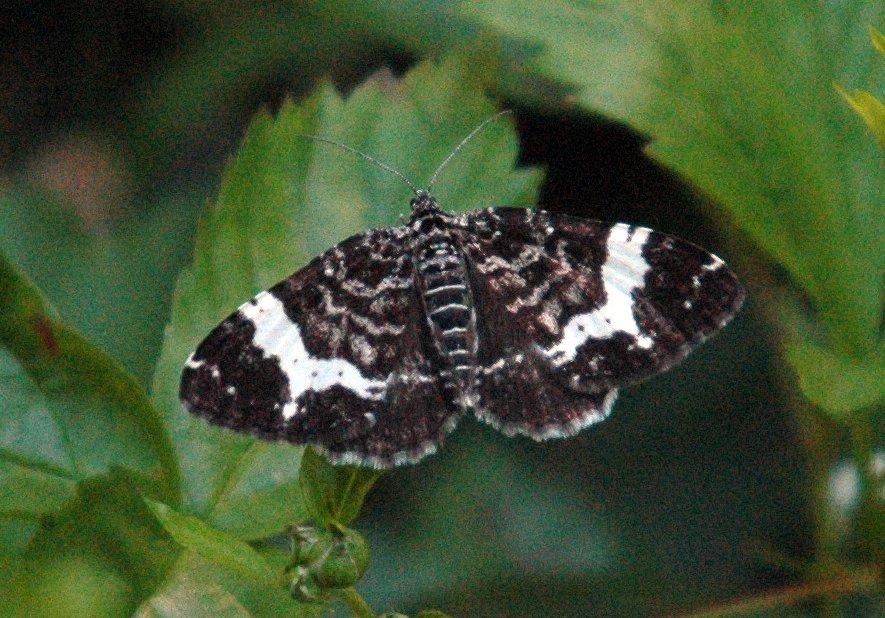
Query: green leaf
[[109, 521], [285, 199], [198, 588], [36, 469], [122, 557], [737, 98], [837, 383], [115, 296], [192, 592], [216, 546], [334, 494], [868, 107], [68, 412], [85, 585], [260, 498]]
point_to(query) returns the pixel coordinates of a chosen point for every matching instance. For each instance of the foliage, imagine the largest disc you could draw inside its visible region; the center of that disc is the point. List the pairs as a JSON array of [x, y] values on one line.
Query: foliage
[[113, 502]]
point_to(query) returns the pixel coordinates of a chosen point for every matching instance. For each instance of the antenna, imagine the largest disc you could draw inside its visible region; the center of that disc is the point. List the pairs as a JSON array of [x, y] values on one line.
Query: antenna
[[396, 172], [463, 142], [377, 162]]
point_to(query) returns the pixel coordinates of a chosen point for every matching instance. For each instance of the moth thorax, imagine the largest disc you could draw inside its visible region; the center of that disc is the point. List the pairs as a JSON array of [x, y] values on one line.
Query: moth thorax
[[449, 308]]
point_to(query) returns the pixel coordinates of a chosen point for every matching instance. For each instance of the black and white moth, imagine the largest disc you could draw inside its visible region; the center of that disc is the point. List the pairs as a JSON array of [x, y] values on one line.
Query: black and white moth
[[532, 320]]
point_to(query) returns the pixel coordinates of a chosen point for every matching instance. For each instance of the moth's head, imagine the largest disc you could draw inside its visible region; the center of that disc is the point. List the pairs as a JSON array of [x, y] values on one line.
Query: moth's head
[[422, 203]]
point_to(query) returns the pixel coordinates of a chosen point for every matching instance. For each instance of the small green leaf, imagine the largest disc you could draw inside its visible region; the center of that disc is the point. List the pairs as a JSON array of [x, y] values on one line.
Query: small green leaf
[[197, 588], [868, 107], [334, 494], [837, 383], [193, 533], [98, 410], [285, 199], [36, 469]]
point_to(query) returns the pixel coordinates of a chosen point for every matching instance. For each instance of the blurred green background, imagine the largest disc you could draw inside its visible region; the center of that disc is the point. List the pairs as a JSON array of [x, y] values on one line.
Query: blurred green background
[[719, 481]]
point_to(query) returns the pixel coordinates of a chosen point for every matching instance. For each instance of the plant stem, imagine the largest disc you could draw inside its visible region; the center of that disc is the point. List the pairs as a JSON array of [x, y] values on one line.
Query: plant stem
[[356, 603], [861, 579]]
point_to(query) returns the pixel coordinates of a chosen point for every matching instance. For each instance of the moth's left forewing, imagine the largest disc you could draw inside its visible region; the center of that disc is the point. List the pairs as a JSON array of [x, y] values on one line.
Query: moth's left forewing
[[332, 356], [606, 305]]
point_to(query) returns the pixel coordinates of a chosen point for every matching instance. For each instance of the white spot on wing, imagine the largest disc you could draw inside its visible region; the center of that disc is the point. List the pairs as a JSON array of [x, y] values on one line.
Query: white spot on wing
[[363, 349], [714, 265], [623, 272], [194, 364], [278, 336]]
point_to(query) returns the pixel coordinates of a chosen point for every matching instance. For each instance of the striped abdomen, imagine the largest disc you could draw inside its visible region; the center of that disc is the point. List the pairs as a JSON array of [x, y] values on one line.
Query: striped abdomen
[[449, 308]]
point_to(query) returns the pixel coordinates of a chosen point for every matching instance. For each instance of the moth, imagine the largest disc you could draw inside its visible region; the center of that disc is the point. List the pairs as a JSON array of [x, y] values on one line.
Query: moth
[[531, 320]]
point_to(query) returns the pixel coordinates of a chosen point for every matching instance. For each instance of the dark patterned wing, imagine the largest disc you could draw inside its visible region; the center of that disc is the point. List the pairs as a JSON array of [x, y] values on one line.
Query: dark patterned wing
[[333, 356], [583, 307], [519, 394]]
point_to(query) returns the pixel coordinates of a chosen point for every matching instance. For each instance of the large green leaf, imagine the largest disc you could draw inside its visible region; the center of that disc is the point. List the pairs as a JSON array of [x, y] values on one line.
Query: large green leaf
[[738, 98], [285, 199], [67, 412]]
